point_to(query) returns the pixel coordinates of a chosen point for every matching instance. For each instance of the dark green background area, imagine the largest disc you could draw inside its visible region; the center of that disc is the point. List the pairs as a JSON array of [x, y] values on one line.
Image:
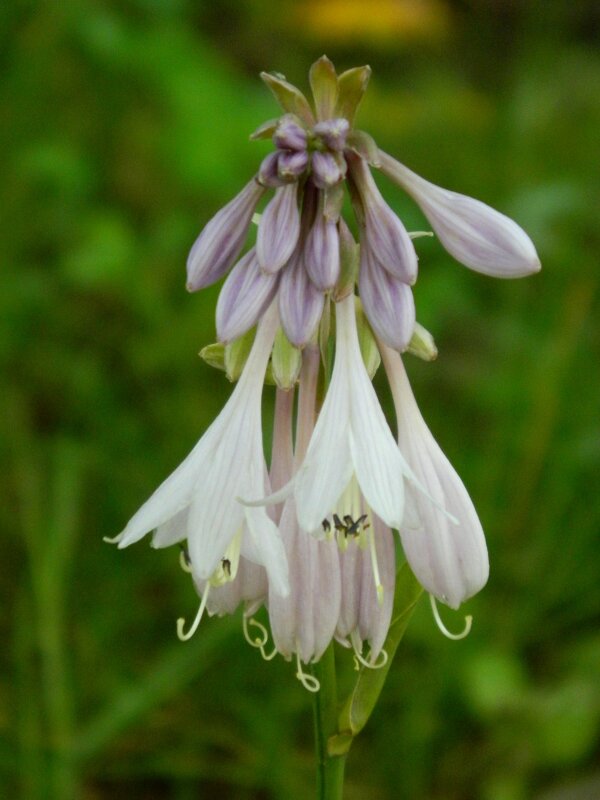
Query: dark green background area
[[124, 126]]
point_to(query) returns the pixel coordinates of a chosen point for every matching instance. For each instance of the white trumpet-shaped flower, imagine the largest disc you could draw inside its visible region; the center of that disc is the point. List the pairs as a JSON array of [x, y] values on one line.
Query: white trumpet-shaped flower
[[351, 437], [199, 501], [449, 560]]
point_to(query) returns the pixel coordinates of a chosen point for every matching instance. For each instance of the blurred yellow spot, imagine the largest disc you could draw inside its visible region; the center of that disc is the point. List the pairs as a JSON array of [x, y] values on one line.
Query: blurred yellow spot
[[378, 20]]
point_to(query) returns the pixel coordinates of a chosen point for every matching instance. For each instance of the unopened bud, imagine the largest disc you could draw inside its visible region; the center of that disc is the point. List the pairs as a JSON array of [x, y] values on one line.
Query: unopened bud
[[422, 344], [286, 362], [366, 340], [236, 355], [214, 355]]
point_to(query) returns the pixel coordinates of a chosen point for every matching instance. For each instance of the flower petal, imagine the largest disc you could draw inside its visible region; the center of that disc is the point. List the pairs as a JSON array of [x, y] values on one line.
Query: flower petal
[[450, 560], [278, 229], [388, 302], [300, 303], [475, 234], [327, 468], [219, 244], [245, 296]]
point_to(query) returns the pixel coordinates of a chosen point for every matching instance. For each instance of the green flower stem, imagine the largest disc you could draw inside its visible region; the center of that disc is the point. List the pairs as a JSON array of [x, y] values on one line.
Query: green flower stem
[[330, 769]]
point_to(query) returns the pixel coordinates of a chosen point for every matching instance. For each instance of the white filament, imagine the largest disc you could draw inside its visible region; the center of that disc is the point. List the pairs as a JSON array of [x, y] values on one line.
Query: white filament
[[309, 682], [184, 637], [454, 636]]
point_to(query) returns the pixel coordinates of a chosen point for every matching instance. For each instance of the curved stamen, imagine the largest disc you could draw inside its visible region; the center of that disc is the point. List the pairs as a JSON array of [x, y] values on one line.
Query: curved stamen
[[184, 563], [194, 627], [112, 540], [257, 641], [271, 655], [377, 664], [309, 682], [419, 234], [438, 620], [375, 565]]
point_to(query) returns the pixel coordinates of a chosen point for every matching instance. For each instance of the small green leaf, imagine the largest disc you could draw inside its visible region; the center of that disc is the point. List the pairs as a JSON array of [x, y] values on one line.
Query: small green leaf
[[364, 146], [349, 258], [333, 200], [214, 355], [422, 344], [266, 130], [352, 85], [236, 355], [289, 97], [286, 362], [360, 704], [324, 85], [366, 340]]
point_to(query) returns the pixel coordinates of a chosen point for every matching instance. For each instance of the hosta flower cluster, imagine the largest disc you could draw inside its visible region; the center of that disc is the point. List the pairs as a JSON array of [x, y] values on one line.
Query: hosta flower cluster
[[310, 532]]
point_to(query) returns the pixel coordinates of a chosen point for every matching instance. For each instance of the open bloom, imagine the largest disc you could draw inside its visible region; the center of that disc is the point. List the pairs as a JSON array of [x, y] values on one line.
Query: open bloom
[[198, 501], [449, 559], [351, 438]]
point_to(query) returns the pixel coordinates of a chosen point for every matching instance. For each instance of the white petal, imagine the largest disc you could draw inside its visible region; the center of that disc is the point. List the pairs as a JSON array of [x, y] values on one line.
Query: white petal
[[267, 542], [327, 468], [172, 531], [379, 466], [450, 560]]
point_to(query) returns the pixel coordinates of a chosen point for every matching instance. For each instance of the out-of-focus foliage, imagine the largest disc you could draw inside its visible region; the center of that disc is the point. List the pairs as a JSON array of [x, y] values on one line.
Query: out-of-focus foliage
[[124, 127]]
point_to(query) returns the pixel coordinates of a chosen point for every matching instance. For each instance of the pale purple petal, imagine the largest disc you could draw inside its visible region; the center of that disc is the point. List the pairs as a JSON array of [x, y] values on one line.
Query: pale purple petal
[[322, 253], [222, 239], [268, 173], [386, 236], [333, 132], [304, 622], [278, 229], [291, 165], [245, 296], [327, 170], [475, 234], [289, 135], [300, 303], [388, 302], [375, 618]]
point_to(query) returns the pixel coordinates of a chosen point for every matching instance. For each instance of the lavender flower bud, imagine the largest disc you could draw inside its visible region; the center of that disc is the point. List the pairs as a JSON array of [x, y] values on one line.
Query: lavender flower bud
[[268, 173], [322, 253], [245, 296], [332, 133], [278, 229], [327, 170], [219, 244], [475, 234], [289, 135], [386, 236], [291, 165], [388, 303], [300, 303]]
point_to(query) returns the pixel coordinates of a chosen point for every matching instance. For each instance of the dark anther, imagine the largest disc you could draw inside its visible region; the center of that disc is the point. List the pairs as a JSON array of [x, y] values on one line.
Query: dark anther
[[339, 525]]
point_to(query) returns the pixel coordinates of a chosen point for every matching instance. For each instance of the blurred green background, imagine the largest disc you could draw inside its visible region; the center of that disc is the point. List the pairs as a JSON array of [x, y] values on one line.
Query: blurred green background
[[124, 127]]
